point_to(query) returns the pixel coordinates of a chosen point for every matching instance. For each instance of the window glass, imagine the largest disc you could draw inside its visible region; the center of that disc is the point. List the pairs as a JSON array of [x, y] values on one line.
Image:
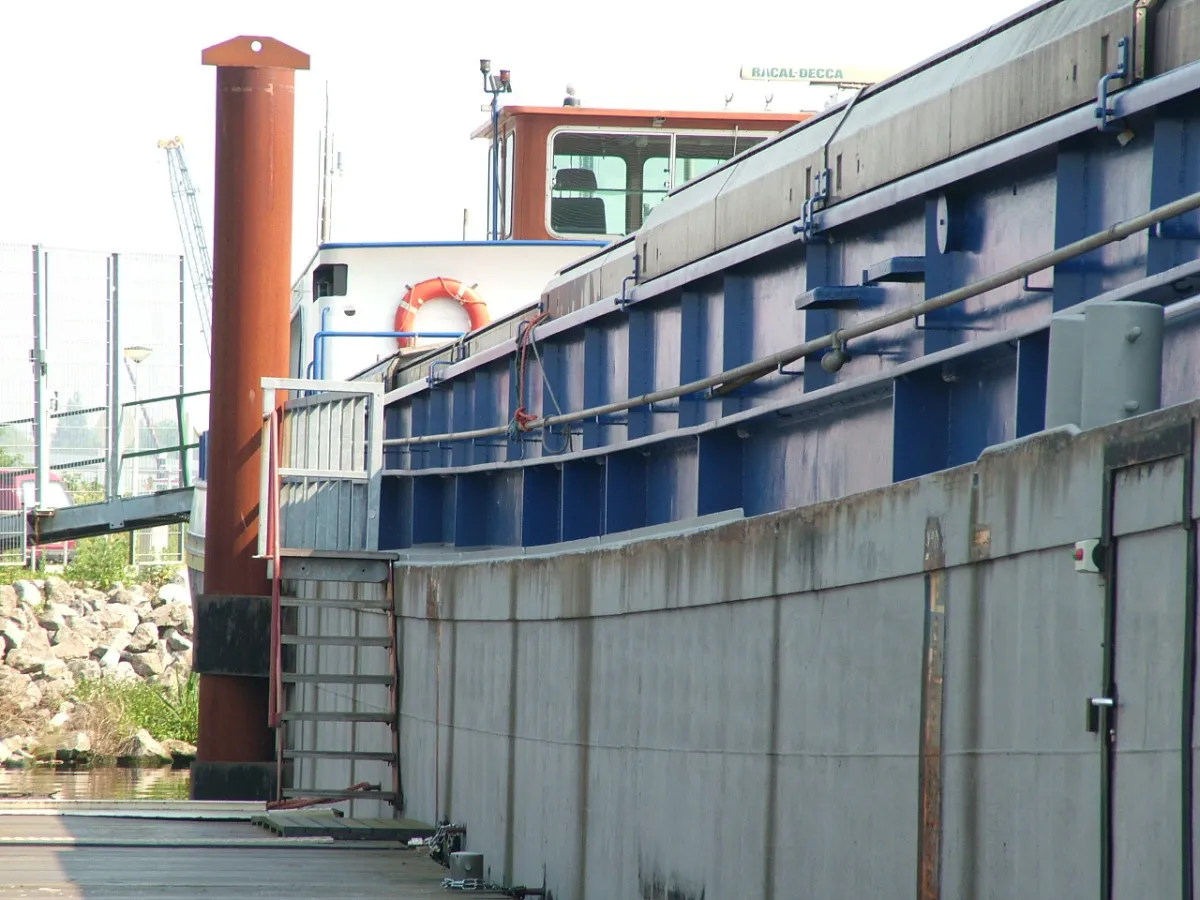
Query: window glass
[[696, 154], [656, 181], [506, 188], [604, 183], [596, 180]]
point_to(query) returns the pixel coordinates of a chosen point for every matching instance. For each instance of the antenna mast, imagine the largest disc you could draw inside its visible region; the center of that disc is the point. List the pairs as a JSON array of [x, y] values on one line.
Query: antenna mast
[[330, 162]]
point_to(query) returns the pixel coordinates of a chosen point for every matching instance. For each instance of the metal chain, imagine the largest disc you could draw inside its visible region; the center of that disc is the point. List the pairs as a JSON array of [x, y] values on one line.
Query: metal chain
[[471, 884]]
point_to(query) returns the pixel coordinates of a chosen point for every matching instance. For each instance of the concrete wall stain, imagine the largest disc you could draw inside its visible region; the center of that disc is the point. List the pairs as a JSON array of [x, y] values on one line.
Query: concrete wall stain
[[653, 886]]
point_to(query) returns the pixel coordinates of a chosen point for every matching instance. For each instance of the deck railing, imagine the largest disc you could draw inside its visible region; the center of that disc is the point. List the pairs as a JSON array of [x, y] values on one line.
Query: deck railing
[[98, 474], [322, 467]]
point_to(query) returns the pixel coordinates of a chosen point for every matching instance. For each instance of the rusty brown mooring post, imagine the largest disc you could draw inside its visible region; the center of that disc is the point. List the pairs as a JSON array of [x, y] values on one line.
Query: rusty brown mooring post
[[252, 249]]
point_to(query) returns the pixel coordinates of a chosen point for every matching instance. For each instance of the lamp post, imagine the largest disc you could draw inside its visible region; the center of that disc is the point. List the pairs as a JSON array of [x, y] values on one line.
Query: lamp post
[[136, 355], [495, 85]]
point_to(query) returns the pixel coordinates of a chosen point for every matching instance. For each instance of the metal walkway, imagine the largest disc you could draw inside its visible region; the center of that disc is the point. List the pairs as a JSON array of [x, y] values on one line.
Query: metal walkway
[[119, 514]]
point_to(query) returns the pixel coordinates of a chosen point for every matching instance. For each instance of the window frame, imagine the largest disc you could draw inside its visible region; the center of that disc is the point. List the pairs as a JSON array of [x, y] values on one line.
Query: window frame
[[508, 172], [649, 131]]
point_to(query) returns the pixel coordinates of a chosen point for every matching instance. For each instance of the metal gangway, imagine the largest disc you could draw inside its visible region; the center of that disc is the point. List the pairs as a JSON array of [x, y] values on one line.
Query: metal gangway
[[128, 498]]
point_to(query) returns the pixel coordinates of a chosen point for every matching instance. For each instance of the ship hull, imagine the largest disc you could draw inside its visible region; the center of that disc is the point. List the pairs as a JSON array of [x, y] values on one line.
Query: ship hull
[[193, 539]]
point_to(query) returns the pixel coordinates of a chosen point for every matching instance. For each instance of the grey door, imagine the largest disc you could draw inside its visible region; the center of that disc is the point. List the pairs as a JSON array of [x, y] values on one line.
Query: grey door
[[1147, 739]]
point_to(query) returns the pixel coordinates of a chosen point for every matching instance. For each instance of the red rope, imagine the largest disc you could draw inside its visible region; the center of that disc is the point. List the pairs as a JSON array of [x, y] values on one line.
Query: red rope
[[302, 802], [522, 419]]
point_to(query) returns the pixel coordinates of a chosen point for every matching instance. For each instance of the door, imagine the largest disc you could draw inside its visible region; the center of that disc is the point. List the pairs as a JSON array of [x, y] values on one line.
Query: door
[[1146, 711]]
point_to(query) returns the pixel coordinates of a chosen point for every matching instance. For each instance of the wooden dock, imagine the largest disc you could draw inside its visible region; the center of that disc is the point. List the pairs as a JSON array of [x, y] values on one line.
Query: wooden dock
[[340, 828], [44, 853]]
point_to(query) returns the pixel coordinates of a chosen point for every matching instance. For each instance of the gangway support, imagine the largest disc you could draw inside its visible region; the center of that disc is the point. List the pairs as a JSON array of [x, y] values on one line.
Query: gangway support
[[73, 523]]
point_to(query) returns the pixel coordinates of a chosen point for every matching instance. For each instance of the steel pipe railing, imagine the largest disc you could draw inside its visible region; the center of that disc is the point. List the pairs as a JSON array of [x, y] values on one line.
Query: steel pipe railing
[[731, 379]]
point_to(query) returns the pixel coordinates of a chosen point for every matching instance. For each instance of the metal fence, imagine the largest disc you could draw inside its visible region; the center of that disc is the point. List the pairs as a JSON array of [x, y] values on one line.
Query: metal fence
[[92, 386], [327, 443]]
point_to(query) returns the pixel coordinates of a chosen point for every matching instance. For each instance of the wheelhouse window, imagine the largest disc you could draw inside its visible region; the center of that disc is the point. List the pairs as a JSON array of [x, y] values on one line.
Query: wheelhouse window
[[607, 182], [696, 154]]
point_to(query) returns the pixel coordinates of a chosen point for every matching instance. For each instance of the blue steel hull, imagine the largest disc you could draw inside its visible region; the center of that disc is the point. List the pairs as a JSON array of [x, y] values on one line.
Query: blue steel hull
[[926, 395]]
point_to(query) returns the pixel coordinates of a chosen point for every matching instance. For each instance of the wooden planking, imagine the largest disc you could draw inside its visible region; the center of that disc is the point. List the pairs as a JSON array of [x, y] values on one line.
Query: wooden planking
[[289, 824], [132, 869]]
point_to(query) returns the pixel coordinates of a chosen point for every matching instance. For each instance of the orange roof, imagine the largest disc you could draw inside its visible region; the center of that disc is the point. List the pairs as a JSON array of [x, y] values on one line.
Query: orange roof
[[766, 121]]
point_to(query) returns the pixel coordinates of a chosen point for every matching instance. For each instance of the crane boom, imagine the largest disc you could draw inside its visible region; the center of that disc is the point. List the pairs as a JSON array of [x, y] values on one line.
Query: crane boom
[[191, 230]]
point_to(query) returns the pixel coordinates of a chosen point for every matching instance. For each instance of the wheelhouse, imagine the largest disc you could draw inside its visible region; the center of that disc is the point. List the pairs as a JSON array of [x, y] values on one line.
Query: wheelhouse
[[575, 173]]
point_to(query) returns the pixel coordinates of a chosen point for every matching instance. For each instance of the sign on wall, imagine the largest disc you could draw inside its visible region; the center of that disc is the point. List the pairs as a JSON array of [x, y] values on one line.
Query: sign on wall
[[822, 74]]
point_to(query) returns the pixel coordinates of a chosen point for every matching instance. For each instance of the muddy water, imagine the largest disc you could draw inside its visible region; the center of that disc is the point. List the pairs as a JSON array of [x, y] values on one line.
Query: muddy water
[[97, 784]]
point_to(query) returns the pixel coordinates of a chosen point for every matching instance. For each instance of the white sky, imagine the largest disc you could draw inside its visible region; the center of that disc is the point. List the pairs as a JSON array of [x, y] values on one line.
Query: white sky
[[90, 88]]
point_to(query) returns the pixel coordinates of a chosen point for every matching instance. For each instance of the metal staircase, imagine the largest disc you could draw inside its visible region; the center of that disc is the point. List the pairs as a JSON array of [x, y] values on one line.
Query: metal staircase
[[338, 735], [334, 674]]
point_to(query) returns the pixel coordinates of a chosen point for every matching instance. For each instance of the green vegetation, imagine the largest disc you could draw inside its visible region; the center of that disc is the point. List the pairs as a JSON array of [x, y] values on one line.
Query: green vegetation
[[83, 488], [8, 457], [10, 574], [115, 710], [100, 562]]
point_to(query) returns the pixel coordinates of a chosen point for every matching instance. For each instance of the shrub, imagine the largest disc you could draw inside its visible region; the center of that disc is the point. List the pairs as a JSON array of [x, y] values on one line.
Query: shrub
[[99, 562]]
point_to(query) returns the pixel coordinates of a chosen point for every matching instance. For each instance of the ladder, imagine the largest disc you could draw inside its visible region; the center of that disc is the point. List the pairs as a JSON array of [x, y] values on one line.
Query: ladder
[[337, 730], [334, 675]]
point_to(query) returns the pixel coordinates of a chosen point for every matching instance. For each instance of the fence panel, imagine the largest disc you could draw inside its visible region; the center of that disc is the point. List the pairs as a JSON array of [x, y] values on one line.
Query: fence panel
[[16, 340], [114, 337]]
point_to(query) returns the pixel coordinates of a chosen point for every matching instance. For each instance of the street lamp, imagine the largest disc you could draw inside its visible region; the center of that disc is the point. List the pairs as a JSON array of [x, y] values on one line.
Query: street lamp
[[136, 354], [495, 85]]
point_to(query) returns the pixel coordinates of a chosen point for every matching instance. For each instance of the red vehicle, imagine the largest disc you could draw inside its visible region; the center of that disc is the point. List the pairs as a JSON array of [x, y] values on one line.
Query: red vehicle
[[18, 488]]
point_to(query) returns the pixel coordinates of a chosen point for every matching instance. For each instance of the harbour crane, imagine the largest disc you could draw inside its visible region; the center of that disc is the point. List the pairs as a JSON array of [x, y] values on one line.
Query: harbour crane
[[191, 229]]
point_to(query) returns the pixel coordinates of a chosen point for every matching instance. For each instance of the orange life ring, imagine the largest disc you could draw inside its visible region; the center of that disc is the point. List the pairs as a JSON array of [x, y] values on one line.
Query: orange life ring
[[435, 288]]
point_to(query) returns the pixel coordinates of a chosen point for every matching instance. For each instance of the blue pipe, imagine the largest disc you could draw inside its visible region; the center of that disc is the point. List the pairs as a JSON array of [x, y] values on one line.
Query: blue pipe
[[318, 339]]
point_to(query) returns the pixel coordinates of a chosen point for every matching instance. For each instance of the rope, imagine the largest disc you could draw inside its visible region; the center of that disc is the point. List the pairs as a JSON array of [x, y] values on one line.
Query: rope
[[566, 445], [522, 419], [303, 802], [460, 295]]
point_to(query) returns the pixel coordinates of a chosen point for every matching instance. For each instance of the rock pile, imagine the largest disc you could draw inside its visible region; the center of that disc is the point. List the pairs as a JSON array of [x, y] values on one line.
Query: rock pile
[[54, 636]]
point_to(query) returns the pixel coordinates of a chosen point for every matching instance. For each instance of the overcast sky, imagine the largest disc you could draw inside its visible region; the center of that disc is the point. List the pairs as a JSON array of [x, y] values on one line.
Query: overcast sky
[[90, 88]]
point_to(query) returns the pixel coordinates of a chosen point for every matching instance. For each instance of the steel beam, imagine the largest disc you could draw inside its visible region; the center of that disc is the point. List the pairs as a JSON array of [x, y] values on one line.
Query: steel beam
[[73, 523]]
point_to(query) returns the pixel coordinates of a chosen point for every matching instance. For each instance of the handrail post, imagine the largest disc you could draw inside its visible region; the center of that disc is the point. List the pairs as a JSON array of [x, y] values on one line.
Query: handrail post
[[183, 454]]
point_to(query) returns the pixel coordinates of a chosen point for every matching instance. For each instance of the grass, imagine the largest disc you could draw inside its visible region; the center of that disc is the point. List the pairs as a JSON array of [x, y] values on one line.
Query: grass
[[10, 574], [111, 711]]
